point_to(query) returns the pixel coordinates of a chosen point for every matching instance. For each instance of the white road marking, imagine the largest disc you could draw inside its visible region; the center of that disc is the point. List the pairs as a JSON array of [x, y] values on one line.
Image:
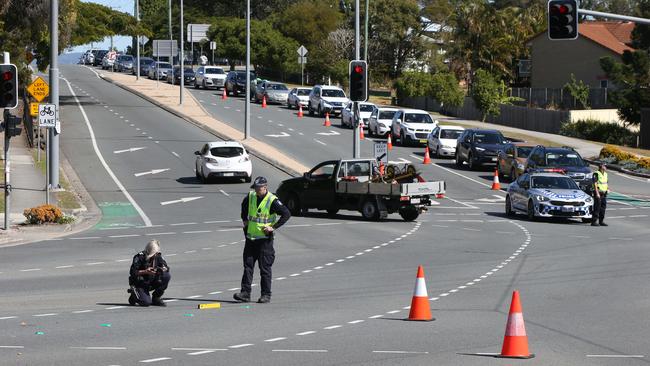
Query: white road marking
[[333, 327], [300, 350], [156, 359], [275, 339], [194, 297], [215, 292], [204, 352], [124, 236], [13, 347], [182, 200], [216, 222], [94, 263], [402, 352], [393, 312], [183, 223], [82, 311], [241, 345], [617, 356], [224, 193], [282, 134], [154, 171], [128, 150], [305, 333], [198, 232], [30, 270], [114, 307], [166, 233], [44, 315], [233, 289], [175, 154], [85, 238], [8, 317], [320, 142], [461, 175], [632, 178], [375, 316], [135, 205]]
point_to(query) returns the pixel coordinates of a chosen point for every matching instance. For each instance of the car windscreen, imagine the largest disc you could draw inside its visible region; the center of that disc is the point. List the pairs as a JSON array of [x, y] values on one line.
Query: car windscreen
[[303, 91], [386, 114], [214, 70], [450, 134], [564, 159], [524, 151], [227, 151], [146, 61], [334, 93], [488, 138], [164, 65], [417, 118], [188, 70], [276, 87], [366, 107], [241, 76], [545, 182], [125, 58]]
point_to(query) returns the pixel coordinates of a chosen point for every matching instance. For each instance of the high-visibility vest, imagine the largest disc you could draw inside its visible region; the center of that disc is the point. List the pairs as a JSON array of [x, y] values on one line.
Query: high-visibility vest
[[601, 182], [260, 215]]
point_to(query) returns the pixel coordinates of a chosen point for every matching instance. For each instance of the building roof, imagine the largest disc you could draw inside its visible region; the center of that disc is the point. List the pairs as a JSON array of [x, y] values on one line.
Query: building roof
[[615, 36]]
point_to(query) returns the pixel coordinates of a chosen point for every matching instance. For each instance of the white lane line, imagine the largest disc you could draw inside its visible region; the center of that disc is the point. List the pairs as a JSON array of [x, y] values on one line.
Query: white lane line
[[30, 270], [114, 307], [233, 289], [375, 316], [214, 292], [44, 315], [403, 352], [183, 223], [300, 350], [123, 260], [638, 216], [156, 359], [224, 193], [194, 297], [175, 154], [8, 317], [86, 238], [124, 236], [275, 339], [216, 222], [320, 142], [616, 356], [393, 312], [100, 348], [461, 175], [333, 327], [204, 352], [94, 263], [241, 345], [165, 233], [632, 178], [13, 347], [82, 311], [135, 205], [356, 321], [198, 232], [305, 333]]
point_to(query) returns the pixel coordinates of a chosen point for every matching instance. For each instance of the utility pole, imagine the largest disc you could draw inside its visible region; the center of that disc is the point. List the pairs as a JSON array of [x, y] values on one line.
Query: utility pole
[[182, 60], [365, 44], [247, 97], [356, 143], [53, 133], [7, 165], [137, 41]]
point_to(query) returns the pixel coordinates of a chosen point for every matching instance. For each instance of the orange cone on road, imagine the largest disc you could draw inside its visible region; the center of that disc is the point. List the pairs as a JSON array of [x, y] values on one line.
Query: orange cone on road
[[300, 111], [361, 135], [264, 101], [390, 142], [515, 342], [224, 96], [327, 120], [427, 158], [496, 186], [381, 168], [420, 309]]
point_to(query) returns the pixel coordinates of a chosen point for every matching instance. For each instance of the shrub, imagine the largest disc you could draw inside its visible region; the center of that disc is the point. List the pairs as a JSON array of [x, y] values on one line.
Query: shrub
[[489, 93], [43, 214], [609, 133], [612, 154], [413, 84]]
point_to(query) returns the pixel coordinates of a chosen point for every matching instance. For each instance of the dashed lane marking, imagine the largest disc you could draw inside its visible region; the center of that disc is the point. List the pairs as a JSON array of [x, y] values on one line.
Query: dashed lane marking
[[300, 350], [156, 359], [403, 352]]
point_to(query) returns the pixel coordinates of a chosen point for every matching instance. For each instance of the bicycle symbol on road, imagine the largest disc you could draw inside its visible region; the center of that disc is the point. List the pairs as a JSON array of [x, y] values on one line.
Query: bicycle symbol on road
[[47, 111]]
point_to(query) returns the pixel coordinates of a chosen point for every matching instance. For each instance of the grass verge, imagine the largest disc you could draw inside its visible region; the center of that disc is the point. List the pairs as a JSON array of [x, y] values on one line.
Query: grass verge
[[66, 199]]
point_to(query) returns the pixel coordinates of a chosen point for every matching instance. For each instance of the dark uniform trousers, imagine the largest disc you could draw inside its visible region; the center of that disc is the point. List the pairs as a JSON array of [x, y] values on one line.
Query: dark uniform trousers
[[260, 250], [158, 285], [600, 205]]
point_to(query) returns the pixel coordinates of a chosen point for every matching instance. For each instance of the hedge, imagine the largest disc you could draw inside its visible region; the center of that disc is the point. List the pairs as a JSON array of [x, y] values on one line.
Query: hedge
[[609, 133], [628, 160]]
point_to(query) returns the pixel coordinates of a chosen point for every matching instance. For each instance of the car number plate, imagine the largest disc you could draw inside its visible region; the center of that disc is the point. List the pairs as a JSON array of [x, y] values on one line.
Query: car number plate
[[568, 209], [415, 200], [494, 159], [228, 174], [423, 141]]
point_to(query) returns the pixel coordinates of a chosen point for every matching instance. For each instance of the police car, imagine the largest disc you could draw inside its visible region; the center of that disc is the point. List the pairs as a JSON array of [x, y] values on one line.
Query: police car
[[543, 194]]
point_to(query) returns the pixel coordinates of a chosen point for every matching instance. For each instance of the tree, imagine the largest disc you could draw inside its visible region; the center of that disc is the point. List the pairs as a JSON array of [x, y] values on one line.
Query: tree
[[489, 93], [445, 89], [308, 21], [579, 91], [413, 84]]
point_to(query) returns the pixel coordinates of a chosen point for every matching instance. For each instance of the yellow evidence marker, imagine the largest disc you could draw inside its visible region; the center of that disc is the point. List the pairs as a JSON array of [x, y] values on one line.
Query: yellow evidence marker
[[214, 305]]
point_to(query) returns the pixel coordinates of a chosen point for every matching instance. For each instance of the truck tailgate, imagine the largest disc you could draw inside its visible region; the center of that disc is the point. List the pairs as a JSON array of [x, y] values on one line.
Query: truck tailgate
[[423, 189]]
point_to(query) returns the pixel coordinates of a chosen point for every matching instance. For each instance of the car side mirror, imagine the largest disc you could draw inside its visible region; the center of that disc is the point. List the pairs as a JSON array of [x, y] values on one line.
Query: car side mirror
[[307, 175], [197, 153], [399, 120]]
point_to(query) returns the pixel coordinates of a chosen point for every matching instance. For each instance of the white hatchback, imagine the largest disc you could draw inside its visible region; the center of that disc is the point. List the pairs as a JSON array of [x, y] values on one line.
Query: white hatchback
[[365, 110], [380, 121], [223, 159], [442, 141]]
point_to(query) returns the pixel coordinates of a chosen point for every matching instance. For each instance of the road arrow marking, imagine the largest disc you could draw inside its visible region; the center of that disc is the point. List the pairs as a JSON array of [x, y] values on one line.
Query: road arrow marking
[[128, 150], [284, 134], [155, 171], [182, 200], [333, 133], [497, 199]]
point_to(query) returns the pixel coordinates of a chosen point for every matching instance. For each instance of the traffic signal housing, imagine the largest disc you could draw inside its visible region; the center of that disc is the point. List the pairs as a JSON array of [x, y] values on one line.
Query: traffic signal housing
[[358, 81], [8, 86], [562, 19], [11, 125]]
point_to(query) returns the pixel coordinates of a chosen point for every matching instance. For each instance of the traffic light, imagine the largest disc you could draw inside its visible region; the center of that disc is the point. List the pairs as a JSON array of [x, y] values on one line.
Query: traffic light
[[562, 19], [11, 124], [358, 81], [8, 86]]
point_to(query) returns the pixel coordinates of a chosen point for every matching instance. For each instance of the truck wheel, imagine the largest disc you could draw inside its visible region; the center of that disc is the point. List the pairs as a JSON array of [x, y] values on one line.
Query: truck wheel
[[369, 210], [332, 212], [293, 204], [409, 213]]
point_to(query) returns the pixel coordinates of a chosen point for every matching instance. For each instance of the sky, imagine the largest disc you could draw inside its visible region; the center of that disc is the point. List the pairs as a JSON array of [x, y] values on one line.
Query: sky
[[120, 42]]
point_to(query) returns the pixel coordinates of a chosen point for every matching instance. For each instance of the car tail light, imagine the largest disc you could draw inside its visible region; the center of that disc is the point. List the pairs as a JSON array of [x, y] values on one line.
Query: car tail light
[[404, 198], [210, 160], [244, 159]]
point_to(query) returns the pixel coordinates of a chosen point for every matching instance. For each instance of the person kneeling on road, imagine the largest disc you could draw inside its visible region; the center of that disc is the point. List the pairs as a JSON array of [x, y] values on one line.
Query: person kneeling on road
[[149, 271]]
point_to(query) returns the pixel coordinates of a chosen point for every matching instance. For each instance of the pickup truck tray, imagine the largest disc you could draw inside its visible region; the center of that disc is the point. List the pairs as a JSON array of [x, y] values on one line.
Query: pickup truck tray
[[386, 189]]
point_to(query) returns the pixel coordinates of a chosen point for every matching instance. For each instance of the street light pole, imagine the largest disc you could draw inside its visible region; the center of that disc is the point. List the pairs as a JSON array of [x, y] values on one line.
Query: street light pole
[[53, 146], [182, 59], [365, 33], [247, 97], [356, 143], [137, 41]]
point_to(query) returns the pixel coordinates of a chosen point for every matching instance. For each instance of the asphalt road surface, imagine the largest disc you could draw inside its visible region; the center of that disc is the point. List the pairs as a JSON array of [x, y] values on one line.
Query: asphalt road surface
[[342, 286]]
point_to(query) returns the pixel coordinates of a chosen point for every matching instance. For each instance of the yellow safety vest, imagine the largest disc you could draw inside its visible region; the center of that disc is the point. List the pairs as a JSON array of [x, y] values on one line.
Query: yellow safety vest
[[260, 215], [601, 183]]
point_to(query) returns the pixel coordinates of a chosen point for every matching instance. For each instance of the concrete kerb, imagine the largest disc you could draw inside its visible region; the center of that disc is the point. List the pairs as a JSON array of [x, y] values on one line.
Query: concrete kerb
[[618, 168], [254, 150]]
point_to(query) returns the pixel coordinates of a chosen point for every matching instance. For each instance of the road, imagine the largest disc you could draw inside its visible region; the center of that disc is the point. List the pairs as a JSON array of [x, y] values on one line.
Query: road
[[341, 285]]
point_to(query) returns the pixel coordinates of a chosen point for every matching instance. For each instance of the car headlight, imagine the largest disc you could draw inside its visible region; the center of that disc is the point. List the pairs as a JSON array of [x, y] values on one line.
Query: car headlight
[[409, 129], [479, 149], [542, 198], [589, 200], [520, 166], [327, 105], [589, 176]]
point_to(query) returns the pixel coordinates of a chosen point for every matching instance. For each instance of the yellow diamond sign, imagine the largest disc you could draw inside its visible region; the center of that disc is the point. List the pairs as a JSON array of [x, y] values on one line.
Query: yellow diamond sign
[[39, 89]]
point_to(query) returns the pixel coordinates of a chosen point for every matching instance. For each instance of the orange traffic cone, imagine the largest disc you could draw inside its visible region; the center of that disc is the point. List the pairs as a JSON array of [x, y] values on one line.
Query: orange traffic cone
[[224, 96], [381, 168], [327, 120], [440, 195], [300, 111], [496, 186], [420, 309], [264, 101], [361, 135], [390, 142], [515, 342], [427, 159]]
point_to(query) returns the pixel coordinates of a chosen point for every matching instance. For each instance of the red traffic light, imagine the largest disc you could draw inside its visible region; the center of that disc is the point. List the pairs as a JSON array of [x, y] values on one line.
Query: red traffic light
[[7, 75], [358, 69]]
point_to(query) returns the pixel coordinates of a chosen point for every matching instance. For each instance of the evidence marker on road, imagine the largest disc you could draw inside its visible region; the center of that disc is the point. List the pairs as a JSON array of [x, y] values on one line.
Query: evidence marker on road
[[212, 305]]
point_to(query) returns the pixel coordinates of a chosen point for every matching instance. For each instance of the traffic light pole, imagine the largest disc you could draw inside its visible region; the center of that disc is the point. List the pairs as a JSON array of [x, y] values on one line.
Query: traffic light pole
[[53, 145], [613, 16], [7, 170], [356, 143]]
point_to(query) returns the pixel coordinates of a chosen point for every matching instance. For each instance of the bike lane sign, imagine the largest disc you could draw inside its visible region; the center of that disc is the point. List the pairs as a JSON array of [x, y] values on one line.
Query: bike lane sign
[[47, 116]]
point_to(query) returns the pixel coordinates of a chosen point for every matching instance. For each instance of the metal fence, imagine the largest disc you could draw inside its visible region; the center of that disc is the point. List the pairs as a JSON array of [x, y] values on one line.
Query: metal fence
[[558, 98]]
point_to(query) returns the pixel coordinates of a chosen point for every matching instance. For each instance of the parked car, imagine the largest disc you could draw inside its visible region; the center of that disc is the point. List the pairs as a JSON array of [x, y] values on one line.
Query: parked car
[[326, 98], [442, 141], [412, 126], [108, 61], [210, 77], [380, 121], [511, 161], [548, 195], [96, 57], [174, 77], [365, 110], [124, 63], [274, 92], [223, 159], [561, 159], [478, 147], [236, 82], [298, 97], [145, 62], [158, 70]]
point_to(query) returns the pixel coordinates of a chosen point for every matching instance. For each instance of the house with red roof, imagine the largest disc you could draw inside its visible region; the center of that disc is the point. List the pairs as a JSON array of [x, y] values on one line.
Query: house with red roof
[[553, 62]]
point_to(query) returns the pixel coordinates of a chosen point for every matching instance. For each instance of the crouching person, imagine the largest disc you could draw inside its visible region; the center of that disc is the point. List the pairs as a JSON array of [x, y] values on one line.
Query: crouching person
[[149, 272]]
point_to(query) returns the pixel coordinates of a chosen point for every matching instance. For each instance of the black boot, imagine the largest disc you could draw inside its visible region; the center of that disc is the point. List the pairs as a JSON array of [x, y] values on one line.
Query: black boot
[[242, 297], [603, 224], [264, 299], [158, 301], [595, 224]]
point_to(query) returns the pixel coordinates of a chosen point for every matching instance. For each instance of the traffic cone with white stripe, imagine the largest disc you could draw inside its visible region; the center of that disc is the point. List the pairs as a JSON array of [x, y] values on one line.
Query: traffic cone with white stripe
[[420, 309], [224, 95], [300, 111], [361, 135], [515, 342], [327, 120], [496, 186], [390, 142], [427, 158], [264, 101]]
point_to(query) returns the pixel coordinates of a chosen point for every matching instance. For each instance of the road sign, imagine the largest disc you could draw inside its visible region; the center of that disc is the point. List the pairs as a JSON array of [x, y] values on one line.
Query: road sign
[[381, 152], [33, 109], [165, 48], [143, 40], [197, 32], [112, 55], [47, 115], [213, 45], [302, 51], [302, 59], [39, 89]]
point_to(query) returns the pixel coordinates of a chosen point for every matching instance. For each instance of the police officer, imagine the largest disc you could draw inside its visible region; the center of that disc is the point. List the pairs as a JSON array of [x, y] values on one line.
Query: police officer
[[259, 212], [149, 271], [600, 195]]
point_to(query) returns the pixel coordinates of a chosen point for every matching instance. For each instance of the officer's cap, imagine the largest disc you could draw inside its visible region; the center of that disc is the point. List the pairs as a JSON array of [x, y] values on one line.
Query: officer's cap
[[259, 182]]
